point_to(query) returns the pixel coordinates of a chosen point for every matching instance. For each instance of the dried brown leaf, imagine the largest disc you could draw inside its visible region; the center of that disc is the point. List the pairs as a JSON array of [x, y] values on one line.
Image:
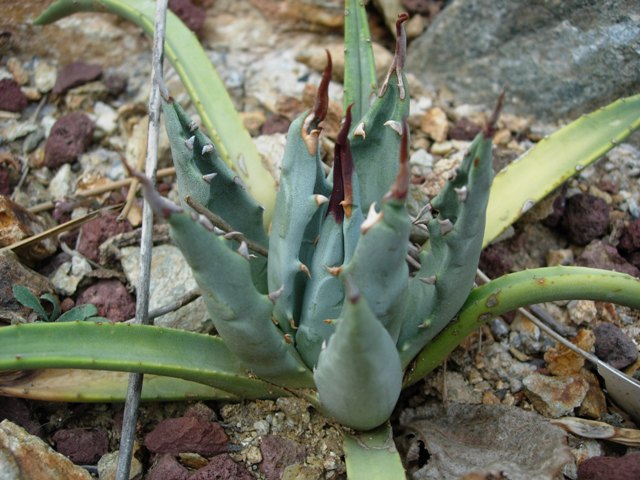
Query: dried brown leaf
[[484, 440]]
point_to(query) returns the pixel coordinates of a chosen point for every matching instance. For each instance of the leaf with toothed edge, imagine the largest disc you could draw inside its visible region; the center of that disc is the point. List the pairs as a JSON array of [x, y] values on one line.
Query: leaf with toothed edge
[[339, 234], [382, 249], [360, 82], [205, 178], [299, 198], [450, 259], [240, 313], [374, 140]]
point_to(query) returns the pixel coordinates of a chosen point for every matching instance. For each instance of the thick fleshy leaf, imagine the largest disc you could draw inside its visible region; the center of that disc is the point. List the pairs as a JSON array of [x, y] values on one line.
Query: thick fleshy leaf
[[299, 198], [360, 83], [372, 455], [449, 260], [376, 137], [520, 289], [240, 313], [359, 373], [128, 348]]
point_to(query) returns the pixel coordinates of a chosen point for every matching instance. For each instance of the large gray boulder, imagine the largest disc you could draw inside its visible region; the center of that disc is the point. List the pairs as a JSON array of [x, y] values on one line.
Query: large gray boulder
[[559, 58]]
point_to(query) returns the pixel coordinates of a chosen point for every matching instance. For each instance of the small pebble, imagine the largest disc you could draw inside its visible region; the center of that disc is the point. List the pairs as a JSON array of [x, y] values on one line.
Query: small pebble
[[166, 467], [555, 396], [435, 124], [80, 445], [499, 328], [76, 74], [441, 148], [69, 138], [20, 75], [614, 347], [278, 453], [582, 311], [464, 129], [585, 218], [253, 455], [563, 256], [193, 16], [626, 467], [630, 238], [111, 298], [44, 76], [222, 467], [599, 254], [109, 462], [11, 97], [421, 158], [187, 434]]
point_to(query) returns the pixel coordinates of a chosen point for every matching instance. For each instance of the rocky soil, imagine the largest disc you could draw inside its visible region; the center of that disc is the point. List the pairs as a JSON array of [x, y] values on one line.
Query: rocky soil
[[73, 101]]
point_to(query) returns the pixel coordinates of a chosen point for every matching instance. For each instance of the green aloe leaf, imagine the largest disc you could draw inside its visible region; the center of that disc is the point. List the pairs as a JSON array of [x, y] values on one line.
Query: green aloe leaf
[[553, 160], [360, 82], [372, 455], [207, 91], [520, 289], [64, 385], [131, 348]]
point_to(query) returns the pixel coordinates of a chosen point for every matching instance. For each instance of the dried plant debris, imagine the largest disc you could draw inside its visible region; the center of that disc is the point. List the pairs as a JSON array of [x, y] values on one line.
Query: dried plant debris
[[483, 440], [599, 430]]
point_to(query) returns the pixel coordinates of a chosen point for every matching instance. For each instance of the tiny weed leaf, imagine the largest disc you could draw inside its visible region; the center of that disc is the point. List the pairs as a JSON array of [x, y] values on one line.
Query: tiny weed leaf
[[23, 295], [79, 314], [55, 306]]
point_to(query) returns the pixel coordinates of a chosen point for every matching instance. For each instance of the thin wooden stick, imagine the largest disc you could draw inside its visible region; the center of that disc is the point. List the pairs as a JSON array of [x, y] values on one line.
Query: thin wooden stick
[[42, 207], [131, 195], [127, 438]]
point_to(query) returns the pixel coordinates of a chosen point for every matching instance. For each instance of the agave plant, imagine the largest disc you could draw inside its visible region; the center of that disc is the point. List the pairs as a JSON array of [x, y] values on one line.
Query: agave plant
[[322, 303]]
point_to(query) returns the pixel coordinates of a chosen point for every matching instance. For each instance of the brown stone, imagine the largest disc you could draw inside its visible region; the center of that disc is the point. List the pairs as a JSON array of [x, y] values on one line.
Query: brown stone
[[594, 404], [70, 136], [610, 468], [222, 467], [435, 124], [96, 231], [585, 218], [76, 74], [599, 254], [187, 434], [111, 298], [464, 129], [630, 238], [563, 361], [11, 97], [191, 15], [166, 467], [81, 446], [277, 454], [614, 346]]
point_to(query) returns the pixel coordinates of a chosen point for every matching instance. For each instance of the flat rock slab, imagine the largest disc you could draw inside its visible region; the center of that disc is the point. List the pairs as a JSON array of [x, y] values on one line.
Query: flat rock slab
[[558, 59]]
